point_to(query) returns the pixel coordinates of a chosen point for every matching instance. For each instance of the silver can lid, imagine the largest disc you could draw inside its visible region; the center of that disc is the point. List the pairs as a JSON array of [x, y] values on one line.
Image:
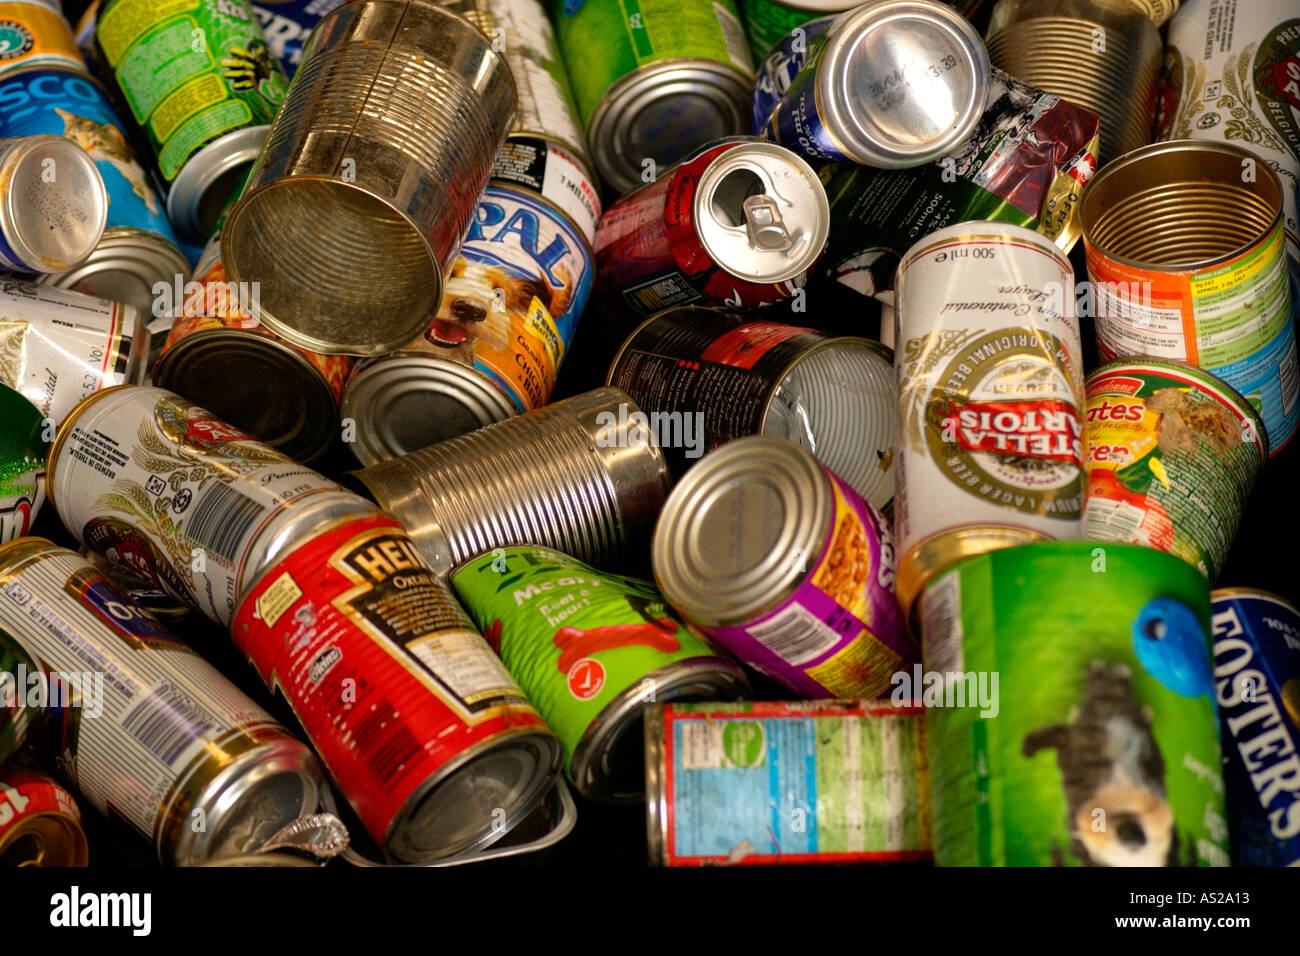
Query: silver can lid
[[761, 213], [902, 82], [741, 529], [54, 204], [125, 267]]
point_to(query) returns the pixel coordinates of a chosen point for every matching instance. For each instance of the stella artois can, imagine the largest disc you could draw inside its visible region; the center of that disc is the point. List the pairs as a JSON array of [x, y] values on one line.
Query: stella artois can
[[989, 366]]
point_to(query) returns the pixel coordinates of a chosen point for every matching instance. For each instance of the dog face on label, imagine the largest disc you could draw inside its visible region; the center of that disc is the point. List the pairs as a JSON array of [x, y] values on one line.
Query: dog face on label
[[479, 301]]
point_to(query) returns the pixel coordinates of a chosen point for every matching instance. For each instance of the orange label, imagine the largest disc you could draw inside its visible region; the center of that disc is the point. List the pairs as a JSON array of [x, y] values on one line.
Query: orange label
[[31, 35]]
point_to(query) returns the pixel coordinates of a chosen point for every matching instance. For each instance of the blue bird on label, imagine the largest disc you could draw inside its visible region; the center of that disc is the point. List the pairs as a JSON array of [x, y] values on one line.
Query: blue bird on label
[[1171, 645]]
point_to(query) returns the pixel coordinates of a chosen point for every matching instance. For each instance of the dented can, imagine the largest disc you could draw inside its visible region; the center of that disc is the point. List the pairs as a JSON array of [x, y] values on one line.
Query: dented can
[[40, 823], [32, 34], [53, 205]]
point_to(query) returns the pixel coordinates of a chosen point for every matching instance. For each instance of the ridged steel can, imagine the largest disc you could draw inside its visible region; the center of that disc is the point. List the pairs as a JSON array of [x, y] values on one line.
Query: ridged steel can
[[40, 822], [1187, 257], [359, 168], [584, 476], [780, 562], [705, 376], [1103, 56], [33, 34], [53, 204], [152, 730], [990, 370]]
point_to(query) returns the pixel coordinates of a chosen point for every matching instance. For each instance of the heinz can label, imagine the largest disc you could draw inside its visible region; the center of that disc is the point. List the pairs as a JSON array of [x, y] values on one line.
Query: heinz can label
[[34, 35]]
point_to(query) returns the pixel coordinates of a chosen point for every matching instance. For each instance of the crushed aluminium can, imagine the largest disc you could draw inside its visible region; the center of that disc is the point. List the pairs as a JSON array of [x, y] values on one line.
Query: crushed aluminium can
[[153, 731], [774, 782], [32, 34], [22, 468], [40, 823], [53, 205], [1070, 710], [804, 595], [591, 650]]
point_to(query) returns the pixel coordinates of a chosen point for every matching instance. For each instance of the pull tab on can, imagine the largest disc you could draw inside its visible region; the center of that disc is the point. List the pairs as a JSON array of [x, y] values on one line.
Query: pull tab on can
[[764, 225]]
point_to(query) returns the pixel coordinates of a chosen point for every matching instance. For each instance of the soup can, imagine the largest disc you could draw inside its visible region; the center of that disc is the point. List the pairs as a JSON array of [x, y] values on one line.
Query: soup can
[[40, 822], [1070, 710], [32, 34], [359, 168], [22, 468], [53, 205], [768, 22], [1187, 257]]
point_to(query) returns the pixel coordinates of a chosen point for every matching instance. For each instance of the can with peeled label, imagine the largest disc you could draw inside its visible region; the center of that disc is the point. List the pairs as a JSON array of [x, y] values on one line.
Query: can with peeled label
[[53, 204], [32, 34], [22, 463], [40, 823]]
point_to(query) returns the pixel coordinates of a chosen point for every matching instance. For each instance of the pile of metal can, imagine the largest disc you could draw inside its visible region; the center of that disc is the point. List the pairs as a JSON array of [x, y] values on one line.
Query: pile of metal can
[[883, 531]]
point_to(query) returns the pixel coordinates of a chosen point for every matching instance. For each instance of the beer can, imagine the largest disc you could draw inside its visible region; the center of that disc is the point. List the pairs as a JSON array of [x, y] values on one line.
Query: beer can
[[17, 718], [203, 113], [1257, 680], [286, 24], [990, 370], [1098, 54], [219, 356], [358, 168], [739, 223], [654, 82], [891, 84], [591, 650], [1069, 709], [786, 782], [706, 376], [804, 594], [1187, 258], [584, 476], [53, 205], [32, 34], [153, 731], [181, 498], [431, 741], [40, 823], [768, 22], [22, 464], [1171, 454]]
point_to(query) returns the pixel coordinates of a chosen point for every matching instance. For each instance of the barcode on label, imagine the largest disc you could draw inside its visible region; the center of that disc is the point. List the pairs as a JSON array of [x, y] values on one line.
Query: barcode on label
[[168, 723], [795, 636], [1287, 379], [733, 35], [221, 519], [941, 626], [388, 745]]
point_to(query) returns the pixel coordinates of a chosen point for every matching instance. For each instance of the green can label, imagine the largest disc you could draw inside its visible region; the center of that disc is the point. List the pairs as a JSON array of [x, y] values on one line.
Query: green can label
[[767, 23], [190, 71]]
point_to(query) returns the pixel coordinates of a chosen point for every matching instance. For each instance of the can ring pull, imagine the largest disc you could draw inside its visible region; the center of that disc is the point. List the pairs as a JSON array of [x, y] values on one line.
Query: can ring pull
[[764, 225]]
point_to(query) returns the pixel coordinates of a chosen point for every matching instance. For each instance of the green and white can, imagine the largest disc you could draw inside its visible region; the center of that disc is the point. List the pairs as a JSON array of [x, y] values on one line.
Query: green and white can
[[768, 22]]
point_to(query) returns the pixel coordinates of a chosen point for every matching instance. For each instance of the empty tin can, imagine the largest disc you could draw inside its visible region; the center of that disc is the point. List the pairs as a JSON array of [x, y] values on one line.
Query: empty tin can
[[784, 565], [359, 168], [1171, 455], [706, 376], [32, 34], [584, 476], [432, 742], [768, 22], [22, 472], [151, 729], [1100, 55], [654, 81], [739, 223], [775, 782], [893, 83], [53, 204], [1187, 257], [40, 823], [990, 373]]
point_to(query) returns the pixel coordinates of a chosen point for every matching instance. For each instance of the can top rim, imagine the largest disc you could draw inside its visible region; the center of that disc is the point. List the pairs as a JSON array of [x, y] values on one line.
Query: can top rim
[[1223, 594], [26, 152]]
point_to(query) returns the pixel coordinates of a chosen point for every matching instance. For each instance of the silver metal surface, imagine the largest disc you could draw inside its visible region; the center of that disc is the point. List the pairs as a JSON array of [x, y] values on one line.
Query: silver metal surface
[[209, 182], [53, 204], [124, 267], [656, 794]]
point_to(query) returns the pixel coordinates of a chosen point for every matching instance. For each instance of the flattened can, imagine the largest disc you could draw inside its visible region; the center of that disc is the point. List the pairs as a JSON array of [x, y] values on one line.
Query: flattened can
[[1070, 712], [1171, 455], [705, 376], [739, 223], [584, 476], [654, 81], [768, 22], [183, 499], [22, 467], [776, 782], [32, 34], [286, 24], [1257, 681], [40, 823], [432, 742], [1187, 258], [151, 729], [804, 594], [990, 373], [53, 205], [592, 651]]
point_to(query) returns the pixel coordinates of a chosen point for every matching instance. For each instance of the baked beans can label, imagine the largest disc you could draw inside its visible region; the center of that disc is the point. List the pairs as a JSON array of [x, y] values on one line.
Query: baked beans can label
[[378, 662], [34, 35]]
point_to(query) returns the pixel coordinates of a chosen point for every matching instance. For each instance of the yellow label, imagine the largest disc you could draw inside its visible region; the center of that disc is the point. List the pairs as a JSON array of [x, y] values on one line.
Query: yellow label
[[199, 93], [541, 326], [41, 35], [1118, 431], [845, 569], [861, 668], [278, 598], [124, 22]]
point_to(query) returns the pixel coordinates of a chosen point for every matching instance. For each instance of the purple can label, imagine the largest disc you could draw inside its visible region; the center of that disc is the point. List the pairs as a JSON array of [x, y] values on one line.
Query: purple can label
[[841, 633], [781, 66]]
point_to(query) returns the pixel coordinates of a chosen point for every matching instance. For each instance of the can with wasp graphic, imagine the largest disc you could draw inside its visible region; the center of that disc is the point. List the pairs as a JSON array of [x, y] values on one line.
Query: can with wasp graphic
[[40, 822], [32, 34], [53, 205]]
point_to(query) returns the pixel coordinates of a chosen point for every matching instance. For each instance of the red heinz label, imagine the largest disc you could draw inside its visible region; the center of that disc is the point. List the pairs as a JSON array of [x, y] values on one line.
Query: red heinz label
[[1047, 429]]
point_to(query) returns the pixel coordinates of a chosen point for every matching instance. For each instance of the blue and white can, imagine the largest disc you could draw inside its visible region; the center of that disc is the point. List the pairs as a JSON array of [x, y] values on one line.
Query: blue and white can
[[287, 24], [782, 65]]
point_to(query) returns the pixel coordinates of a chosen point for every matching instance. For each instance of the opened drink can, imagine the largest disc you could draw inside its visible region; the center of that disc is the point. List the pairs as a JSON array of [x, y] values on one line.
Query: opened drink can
[[40, 823]]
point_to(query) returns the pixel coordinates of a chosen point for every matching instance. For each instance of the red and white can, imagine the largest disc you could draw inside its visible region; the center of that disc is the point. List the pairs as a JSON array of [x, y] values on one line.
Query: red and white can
[[40, 823]]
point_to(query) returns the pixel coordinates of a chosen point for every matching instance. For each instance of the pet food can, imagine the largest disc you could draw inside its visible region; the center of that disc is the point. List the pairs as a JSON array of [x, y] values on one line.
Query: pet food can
[[359, 168], [591, 651], [432, 742], [17, 717], [539, 166], [1171, 455], [654, 80], [768, 22], [1187, 258], [220, 357], [1257, 680], [739, 223], [990, 369], [584, 476], [22, 464], [202, 107], [286, 24], [805, 594], [706, 376], [1070, 710], [152, 730], [32, 34], [52, 204], [786, 782], [40, 823], [891, 84], [183, 499]]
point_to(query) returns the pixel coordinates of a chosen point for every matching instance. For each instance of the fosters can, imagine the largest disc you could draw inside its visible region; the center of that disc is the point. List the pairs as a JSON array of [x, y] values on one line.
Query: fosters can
[[53, 206], [32, 34], [989, 366], [40, 823]]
